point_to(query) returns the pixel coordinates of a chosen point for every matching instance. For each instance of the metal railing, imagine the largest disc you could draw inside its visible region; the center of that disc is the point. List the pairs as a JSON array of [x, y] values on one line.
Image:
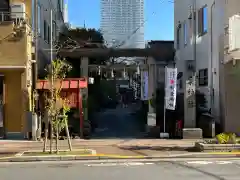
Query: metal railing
[[16, 18]]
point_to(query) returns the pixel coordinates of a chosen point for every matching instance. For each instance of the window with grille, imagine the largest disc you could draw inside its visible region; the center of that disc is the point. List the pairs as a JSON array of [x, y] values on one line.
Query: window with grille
[[203, 77], [178, 36]]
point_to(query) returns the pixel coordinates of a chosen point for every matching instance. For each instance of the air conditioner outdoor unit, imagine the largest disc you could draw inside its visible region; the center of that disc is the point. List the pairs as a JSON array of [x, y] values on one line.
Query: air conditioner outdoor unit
[[234, 29], [18, 11]]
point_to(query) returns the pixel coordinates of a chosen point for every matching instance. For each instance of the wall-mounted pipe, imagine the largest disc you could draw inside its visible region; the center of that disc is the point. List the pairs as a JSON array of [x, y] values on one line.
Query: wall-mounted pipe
[[211, 58]]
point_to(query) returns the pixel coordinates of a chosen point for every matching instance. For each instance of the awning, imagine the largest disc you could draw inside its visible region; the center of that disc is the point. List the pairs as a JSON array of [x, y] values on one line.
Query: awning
[[65, 84]]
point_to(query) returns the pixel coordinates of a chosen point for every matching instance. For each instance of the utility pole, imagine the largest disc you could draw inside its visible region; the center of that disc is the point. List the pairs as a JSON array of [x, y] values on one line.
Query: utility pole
[[52, 78], [195, 60], [34, 63], [34, 102]]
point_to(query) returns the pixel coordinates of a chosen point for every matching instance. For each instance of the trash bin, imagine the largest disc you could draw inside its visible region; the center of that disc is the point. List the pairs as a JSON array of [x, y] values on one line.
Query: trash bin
[[207, 124]]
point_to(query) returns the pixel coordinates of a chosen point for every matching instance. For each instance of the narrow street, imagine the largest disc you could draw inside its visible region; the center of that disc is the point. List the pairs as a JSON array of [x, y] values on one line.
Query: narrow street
[[117, 123], [170, 170]]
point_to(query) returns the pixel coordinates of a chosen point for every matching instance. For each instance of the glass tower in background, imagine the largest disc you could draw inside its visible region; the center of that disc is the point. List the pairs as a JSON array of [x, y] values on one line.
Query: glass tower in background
[[121, 19]]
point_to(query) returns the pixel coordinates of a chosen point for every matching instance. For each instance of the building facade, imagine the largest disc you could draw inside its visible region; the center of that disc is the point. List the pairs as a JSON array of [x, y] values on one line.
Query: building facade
[[17, 55], [203, 36], [123, 21]]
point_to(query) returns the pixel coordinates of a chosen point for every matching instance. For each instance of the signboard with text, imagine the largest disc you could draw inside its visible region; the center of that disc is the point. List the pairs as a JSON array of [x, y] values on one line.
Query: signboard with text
[[170, 88], [144, 85]]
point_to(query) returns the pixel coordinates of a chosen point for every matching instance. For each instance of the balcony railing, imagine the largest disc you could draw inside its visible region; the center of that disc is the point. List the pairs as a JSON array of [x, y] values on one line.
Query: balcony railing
[[17, 18]]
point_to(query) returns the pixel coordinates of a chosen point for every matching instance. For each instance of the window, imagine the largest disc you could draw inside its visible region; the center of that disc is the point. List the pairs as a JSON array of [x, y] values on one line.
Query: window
[[202, 21], [185, 33], [54, 30], [203, 77], [45, 28], [180, 80], [49, 34], [178, 36], [190, 22]]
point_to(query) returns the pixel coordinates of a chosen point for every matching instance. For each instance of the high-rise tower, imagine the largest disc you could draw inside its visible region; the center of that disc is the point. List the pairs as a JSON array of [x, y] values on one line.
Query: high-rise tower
[[66, 11], [121, 19]]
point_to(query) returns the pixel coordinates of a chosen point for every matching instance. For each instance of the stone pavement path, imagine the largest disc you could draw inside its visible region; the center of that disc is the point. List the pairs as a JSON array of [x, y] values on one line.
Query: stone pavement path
[[117, 123]]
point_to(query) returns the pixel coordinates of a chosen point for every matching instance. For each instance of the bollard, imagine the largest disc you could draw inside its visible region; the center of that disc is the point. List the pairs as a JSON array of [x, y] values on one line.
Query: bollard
[[34, 126], [39, 127], [213, 128]]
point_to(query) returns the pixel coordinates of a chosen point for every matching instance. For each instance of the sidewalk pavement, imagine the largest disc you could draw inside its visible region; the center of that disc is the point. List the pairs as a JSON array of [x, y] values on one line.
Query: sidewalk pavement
[[128, 147], [110, 149], [102, 142]]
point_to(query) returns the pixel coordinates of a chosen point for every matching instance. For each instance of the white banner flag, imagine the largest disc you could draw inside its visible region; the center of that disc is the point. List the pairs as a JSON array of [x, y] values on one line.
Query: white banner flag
[[144, 85], [170, 88]]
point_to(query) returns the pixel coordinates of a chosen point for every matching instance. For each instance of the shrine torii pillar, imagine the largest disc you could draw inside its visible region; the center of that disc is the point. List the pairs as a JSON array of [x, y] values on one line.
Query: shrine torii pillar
[[84, 92]]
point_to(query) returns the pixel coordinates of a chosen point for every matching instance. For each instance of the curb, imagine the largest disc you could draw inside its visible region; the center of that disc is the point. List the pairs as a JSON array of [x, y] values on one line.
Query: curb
[[116, 157]]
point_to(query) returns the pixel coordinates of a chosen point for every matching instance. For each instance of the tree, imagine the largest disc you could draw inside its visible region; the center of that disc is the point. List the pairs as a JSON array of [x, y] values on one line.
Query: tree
[[57, 106], [85, 38], [82, 38]]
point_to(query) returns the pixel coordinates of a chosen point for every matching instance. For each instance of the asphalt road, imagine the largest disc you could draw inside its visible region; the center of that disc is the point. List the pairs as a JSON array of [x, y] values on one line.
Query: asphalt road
[[117, 123], [181, 170]]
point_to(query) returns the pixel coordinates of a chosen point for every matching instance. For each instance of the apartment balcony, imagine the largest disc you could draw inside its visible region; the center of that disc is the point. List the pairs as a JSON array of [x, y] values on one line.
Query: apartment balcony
[[15, 41]]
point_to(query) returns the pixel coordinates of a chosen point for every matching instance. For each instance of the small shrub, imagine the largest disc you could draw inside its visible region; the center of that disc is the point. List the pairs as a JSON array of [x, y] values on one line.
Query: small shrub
[[226, 138]]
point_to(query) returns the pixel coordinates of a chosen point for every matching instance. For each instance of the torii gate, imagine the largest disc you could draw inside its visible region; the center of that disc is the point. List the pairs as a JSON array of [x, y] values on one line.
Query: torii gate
[[85, 53], [165, 54]]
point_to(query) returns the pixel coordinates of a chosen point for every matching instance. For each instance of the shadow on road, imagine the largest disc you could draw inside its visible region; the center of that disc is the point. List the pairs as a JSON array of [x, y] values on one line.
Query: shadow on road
[[160, 148]]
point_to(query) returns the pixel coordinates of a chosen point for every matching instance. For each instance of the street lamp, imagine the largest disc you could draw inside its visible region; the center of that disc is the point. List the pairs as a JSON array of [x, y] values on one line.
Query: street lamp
[[99, 70], [112, 73], [138, 69]]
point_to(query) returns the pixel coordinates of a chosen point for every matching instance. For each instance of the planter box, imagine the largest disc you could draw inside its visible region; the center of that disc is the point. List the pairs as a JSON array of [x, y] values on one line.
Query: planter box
[[217, 147], [192, 133]]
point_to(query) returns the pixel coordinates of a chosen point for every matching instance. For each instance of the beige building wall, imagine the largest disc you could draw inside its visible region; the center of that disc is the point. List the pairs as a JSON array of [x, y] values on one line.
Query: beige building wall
[[15, 61]]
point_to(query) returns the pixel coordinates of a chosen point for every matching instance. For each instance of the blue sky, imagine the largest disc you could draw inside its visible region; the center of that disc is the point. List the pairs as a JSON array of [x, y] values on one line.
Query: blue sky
[[158, 15]]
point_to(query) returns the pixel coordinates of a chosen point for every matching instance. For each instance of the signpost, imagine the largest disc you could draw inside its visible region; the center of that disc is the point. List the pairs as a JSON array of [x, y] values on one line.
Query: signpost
[[170, 94]]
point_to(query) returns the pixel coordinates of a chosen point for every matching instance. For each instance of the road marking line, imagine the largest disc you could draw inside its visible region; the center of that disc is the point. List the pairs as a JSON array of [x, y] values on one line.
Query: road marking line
[[199, 162], [92, 151], [224, 162], [118, 164], [209, 162], [20, 154]]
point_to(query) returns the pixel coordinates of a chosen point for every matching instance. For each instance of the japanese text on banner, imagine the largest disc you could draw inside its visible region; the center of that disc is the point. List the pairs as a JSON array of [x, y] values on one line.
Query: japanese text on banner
[[170, 88]]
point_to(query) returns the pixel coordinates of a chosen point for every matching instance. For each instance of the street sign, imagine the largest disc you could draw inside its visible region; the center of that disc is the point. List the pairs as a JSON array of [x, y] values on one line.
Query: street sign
[[170, 88]]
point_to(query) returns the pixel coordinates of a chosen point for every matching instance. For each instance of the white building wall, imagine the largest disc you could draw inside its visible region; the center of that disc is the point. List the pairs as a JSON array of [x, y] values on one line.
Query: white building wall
[[212, 53], [45, 7], [207, 56]]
